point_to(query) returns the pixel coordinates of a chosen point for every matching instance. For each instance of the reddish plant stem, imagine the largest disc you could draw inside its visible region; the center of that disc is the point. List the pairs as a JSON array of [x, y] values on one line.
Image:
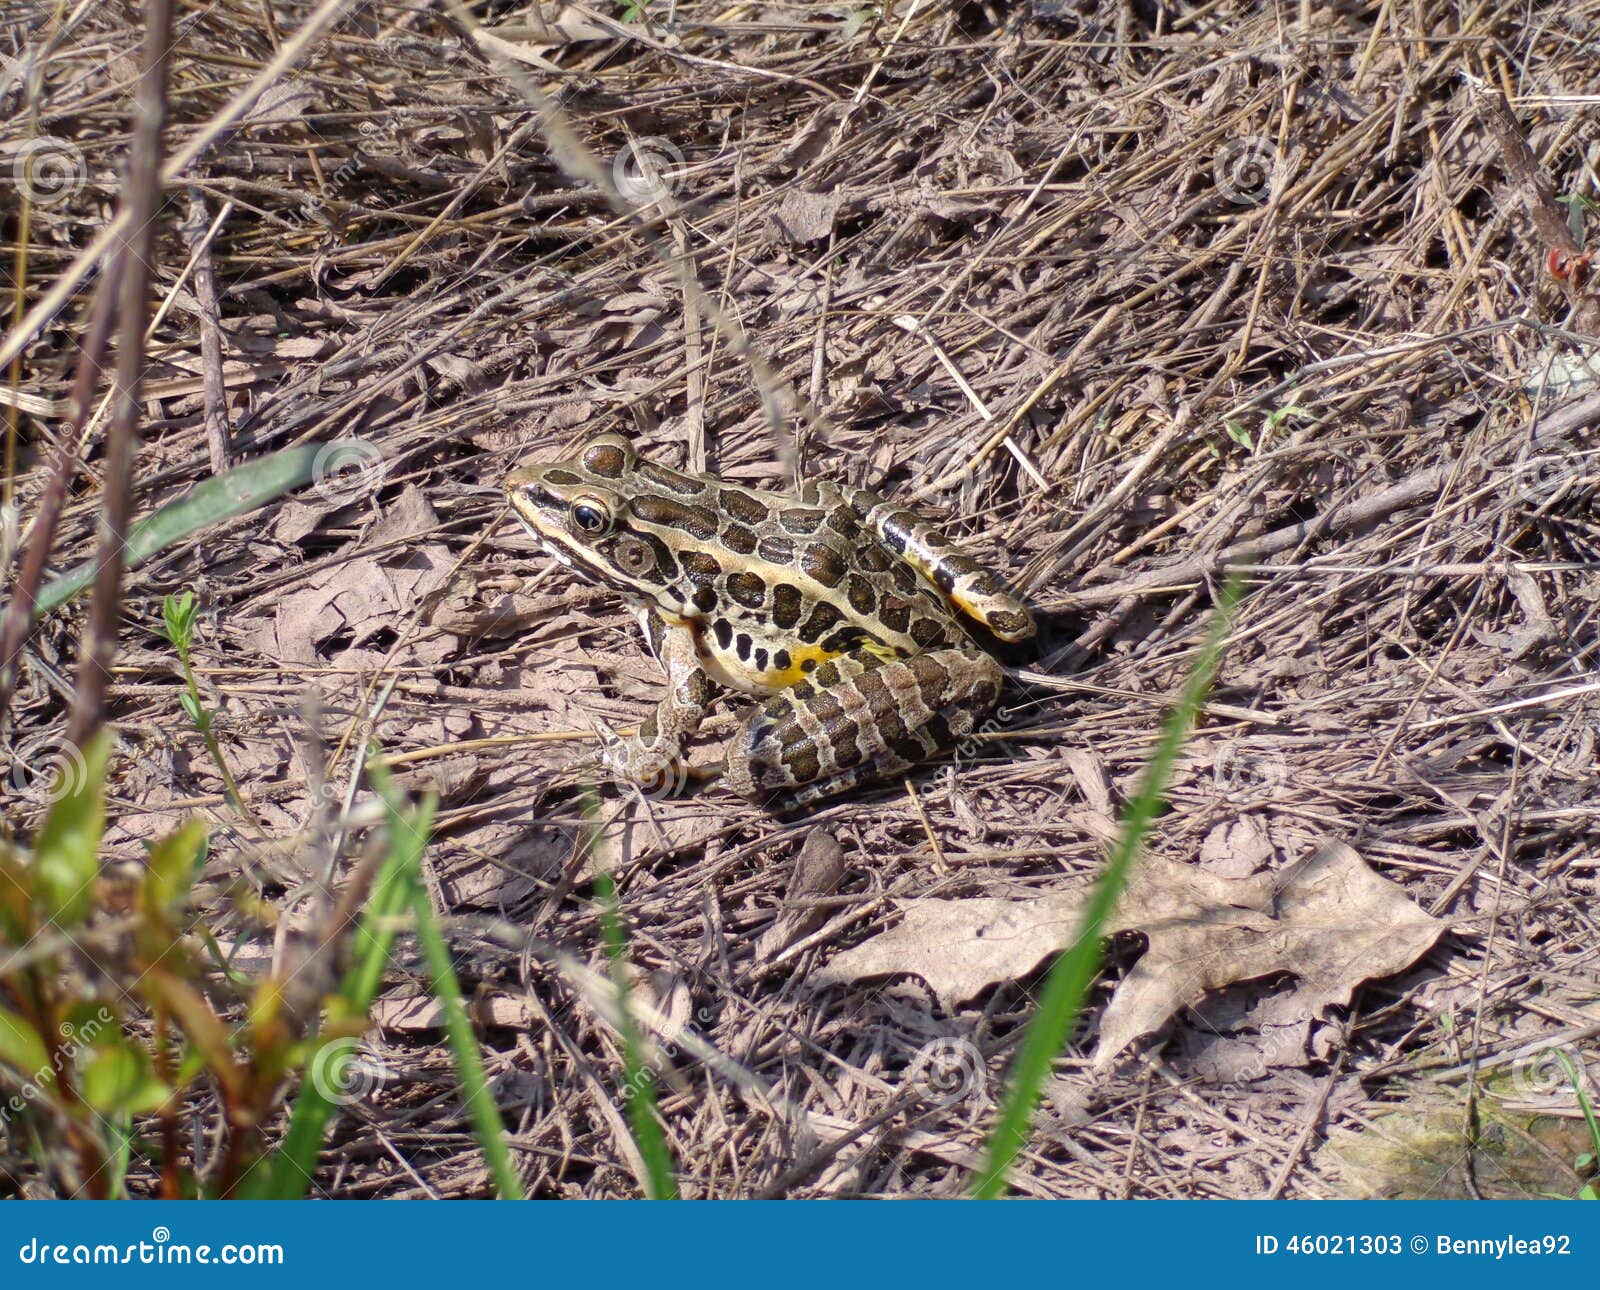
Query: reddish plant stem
[[25, 592], [133, 310]]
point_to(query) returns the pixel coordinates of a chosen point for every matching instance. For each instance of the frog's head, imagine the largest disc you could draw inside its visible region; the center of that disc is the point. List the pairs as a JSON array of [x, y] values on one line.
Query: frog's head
[[579, 510]]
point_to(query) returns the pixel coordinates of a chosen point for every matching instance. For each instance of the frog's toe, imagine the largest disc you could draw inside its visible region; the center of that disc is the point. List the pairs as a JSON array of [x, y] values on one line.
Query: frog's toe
[[654, 771]]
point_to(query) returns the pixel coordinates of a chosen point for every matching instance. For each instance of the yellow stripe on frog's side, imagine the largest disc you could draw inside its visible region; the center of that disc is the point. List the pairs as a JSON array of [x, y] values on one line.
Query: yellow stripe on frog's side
[[727, 668]]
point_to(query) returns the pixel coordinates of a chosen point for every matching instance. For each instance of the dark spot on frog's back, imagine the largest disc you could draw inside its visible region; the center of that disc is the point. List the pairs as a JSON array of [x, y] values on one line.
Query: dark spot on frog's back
[[747, 589], [895, 614], [927, 632], [671, 480], [741, 506], [561, 478], [606, 460], [824, 618], [700, 567], [800, 521], [776, 550], [698, 522], [822, 563], [860, 594], [739, 539], [872, 558], [786, 606], [842, 520]]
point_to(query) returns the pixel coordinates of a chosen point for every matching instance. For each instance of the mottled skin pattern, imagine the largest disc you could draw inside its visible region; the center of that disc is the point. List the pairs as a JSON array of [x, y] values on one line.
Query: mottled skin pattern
[[841, 610]]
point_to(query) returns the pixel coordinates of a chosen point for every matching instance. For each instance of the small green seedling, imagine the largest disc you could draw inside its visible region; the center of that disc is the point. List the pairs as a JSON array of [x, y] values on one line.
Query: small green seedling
[[1585, 1163], [177, 621]]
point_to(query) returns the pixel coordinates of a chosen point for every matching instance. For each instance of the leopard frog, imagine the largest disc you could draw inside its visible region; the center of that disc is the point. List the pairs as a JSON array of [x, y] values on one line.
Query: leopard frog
[[841, 611]]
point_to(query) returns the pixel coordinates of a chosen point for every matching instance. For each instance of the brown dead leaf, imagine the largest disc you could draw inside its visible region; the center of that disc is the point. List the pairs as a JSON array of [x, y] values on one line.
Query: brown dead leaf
[[1329, 921], [361, 597], [804, 216], [818, 870]]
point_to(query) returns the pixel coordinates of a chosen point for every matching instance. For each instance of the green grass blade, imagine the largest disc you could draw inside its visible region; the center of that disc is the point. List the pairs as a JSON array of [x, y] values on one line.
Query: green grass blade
[[289, 1172], [1590, 1190], [222, 497], [639, 1089], [486, 1122], [1075, 970]]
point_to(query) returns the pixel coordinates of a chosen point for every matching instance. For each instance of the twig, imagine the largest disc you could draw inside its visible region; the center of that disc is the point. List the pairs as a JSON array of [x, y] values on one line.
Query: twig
[[1537, 194], [1412, 489], [19, 609], [198, 239]]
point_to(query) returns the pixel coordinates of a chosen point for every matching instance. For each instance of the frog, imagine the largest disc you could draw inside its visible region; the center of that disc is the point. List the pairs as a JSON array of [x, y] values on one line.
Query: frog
[[845, 616]]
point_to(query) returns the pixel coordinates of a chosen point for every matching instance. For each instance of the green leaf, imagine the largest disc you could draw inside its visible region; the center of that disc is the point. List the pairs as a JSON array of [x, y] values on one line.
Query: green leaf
[[222, 497], [177, 613], [66, 858], [1278, 416], [191, 707], [1074, 970], [20, 1046], [16, 906], [1239, 434], [172, 864], [119, 1080]]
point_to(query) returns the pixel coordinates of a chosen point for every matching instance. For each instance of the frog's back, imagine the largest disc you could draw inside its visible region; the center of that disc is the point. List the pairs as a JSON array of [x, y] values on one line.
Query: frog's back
[[777, 584]]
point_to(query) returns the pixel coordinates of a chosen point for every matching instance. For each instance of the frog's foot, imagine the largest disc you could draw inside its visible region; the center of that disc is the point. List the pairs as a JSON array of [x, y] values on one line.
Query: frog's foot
[[647, 763]]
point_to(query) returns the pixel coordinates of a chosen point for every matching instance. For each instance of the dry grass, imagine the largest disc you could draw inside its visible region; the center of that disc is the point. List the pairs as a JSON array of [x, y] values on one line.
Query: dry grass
[[1212, 272]]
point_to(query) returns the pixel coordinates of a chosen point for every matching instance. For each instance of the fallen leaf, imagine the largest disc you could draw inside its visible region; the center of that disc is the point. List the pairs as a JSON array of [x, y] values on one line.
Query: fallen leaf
[[1329, 921], [804, 216], [1236, 848], [818, 870]]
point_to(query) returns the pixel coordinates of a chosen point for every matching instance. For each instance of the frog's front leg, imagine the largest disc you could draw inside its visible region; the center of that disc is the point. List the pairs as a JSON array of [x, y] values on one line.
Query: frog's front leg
[[653, 758], [859, 717]]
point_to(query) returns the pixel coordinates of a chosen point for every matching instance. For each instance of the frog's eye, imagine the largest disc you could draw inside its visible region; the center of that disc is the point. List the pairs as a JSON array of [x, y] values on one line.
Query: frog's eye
[[591, 515]]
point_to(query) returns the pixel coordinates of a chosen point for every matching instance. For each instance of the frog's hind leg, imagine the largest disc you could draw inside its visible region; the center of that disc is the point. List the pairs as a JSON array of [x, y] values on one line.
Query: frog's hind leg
[[859, 717], [972, 589]]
